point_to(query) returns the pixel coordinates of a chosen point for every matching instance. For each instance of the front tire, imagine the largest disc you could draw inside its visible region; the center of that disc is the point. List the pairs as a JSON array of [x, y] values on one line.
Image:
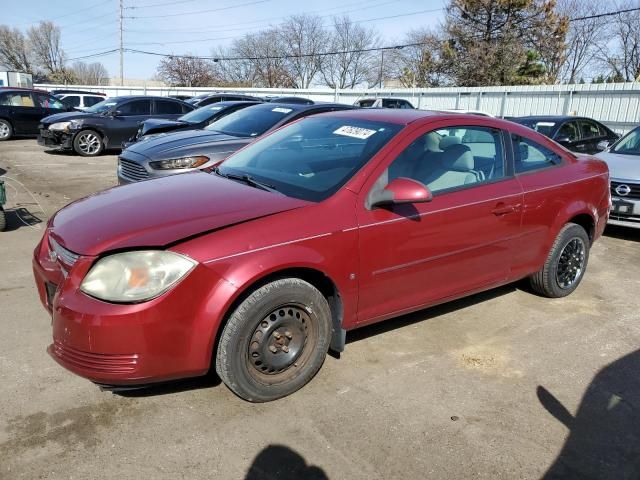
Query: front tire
[[88, 143], [275, 341], [3, 220], [565, 265], [6, 130]]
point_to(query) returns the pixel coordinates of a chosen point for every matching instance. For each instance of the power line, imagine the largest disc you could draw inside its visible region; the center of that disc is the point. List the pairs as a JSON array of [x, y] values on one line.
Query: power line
[[607, 14], [100, 54], [159, 4], [230, 7]]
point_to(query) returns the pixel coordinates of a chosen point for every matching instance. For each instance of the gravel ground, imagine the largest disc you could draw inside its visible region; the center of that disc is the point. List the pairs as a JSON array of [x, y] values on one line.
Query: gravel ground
[[503, 384]]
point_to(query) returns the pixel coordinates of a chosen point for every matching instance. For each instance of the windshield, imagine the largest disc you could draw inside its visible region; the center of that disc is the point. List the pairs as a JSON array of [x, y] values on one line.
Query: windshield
[[250, 122], [103, 106], [544, 128], [629, 144], [201, 114], [313, 158]]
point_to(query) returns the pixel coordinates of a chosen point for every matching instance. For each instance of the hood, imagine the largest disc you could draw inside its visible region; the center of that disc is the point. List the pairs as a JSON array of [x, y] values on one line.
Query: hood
[[159, 212], [65, 117], [184, 143], [622, 167]]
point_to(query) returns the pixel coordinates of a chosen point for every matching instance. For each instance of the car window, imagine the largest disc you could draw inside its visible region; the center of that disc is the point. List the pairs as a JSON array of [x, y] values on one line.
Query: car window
[[530, 155], [543, 127], [252, 121], [404, 104], [89, 101], [47, 101], [210, 100], [313, 158], [136, 107], [366, 103], [186, 108], [167, 107], [589, 129], [71, 100], [568, 130], [629, 145], [17, 99], [452, 158]]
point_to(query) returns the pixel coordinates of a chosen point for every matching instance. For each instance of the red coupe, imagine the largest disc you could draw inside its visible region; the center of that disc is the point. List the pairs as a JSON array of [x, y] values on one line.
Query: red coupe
[[259, 266]]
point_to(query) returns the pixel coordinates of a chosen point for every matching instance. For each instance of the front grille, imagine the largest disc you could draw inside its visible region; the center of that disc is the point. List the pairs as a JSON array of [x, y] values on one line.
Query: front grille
[[131, 170], [97, 362], [67, 257], [633, 187]]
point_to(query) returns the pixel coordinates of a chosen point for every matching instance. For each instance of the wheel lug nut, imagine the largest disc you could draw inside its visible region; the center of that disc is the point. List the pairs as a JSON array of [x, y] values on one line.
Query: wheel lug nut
[[288, 334], [273, 349], [285, 349], [277, 335]]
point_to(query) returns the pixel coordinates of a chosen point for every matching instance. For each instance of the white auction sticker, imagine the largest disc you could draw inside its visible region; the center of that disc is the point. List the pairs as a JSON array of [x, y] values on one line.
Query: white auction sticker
[[281, 110], [355, 132]]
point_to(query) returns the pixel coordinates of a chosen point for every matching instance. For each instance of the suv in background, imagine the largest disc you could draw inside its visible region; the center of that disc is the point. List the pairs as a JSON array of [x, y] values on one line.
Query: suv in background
[[80, 101], [383, 103], [107, 124], [22, 109]]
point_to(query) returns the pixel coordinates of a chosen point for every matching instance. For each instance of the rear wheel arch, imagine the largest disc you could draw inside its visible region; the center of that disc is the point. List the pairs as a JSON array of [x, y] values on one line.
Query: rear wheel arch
[[586, 221]]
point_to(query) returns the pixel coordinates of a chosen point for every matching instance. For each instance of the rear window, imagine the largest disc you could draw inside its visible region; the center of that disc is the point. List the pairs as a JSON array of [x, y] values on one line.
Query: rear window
[[252, 121]]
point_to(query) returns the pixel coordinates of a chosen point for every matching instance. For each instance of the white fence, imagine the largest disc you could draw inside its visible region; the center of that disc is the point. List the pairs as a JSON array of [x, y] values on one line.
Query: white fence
[[617, 105]]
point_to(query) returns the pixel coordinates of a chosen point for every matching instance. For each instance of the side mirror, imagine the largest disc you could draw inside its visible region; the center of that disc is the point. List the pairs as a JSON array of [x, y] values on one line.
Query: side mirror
[[401, 191], [115, 113], [603, 145], [564, 140]]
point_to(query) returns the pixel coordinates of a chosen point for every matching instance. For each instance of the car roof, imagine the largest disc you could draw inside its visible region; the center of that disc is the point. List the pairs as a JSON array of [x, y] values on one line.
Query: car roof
[[143, 97], [21, 89], [549, 118]]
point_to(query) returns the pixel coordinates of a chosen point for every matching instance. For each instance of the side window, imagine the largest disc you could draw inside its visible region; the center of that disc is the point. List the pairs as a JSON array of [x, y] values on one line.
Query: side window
[[91, 101], [71, 101], [136, 107], [452, 158], [530, 155], [168, 107], [569, 130], [185, 108], [45, 101], [589, 129], [17, 99], [404, 104]]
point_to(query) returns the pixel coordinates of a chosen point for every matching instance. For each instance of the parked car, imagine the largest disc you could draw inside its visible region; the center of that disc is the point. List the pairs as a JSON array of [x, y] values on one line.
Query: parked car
[[21, 111], [623, 158], [194, 120], [203, 100], [66, 91], [181, 152], [298, 100], [578, 134], [337, 221], [383, 103], [181, 97], [107, 124], [80, 101]]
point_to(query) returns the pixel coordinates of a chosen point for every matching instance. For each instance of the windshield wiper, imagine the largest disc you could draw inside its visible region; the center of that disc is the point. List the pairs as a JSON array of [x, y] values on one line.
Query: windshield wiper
[[248, 179]]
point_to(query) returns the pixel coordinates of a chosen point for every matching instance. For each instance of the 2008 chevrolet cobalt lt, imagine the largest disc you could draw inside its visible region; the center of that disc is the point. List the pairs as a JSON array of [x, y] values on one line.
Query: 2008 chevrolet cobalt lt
[[259, 266]]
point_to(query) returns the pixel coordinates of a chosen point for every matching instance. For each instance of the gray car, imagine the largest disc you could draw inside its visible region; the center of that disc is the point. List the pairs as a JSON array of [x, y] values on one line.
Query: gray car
[[623, 158]]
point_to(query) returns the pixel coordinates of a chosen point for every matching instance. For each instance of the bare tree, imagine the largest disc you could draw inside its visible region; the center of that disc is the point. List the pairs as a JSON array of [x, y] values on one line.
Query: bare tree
[[304, 38], [44, 40], [90, 73], [622, 53], [186, 71], [232, 73], [265, 52], [14, 50], [352, 66]]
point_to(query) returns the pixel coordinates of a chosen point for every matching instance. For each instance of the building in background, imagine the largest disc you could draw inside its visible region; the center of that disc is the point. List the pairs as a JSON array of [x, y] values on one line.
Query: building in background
[[16, 79]]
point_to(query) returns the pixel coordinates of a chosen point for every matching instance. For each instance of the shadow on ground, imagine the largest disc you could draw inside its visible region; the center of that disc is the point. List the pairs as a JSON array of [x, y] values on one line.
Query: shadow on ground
[[20, 217], [604, 435], [282, 463], [623, 233], [196, 383]]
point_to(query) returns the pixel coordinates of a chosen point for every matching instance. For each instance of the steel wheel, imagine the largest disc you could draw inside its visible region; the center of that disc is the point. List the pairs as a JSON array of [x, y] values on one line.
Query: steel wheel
[[89, 143], [570, 263], [278, 342]]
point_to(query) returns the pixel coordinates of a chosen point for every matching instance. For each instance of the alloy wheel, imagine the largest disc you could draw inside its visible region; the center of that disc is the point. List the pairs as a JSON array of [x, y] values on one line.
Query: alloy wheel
[[570, 263], [4, 130], [89, 143]]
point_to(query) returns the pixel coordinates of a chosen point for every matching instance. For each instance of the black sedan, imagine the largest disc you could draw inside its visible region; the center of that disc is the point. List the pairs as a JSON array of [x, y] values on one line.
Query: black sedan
[[578, 134], [208, 99], [21, 110], [181, 152], [194, 120], [107, 124]]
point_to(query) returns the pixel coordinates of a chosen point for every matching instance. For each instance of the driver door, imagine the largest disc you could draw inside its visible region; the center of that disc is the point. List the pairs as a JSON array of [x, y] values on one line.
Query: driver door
[[125, 124], [463, 240]]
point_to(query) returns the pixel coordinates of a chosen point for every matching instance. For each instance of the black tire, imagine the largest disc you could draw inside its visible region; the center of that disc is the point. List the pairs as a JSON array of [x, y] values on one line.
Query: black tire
[[288, 315], [565, 266], [6, 130], [3, 220], [88, 143]]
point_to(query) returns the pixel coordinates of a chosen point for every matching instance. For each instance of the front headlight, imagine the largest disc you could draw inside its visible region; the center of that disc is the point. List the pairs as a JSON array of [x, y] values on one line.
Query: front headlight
[[185, 162], [60, 126], [138, 276]]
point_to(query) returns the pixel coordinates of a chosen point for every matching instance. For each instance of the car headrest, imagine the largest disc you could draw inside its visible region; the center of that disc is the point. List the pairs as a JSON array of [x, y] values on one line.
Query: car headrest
[[459, 158], [446, 142], [431, 142]]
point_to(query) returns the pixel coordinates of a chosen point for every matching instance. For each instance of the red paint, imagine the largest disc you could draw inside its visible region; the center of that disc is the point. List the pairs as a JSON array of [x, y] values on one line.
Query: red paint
[[383, 262]]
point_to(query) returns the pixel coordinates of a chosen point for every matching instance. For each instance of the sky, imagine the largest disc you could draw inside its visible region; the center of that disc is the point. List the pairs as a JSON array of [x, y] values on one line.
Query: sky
[[195, 26]]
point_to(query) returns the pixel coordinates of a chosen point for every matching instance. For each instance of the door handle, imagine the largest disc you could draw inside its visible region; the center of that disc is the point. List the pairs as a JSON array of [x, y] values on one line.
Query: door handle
[[504, 209]]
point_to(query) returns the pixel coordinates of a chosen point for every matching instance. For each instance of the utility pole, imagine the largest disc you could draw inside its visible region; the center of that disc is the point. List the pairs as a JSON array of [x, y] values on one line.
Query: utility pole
[[121, 48]]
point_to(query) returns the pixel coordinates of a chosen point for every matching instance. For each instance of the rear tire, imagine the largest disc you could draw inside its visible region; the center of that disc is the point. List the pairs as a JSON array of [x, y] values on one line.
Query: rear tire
[[565, 265], [6, 130], [88, 143], [3, 220], [275, 341]]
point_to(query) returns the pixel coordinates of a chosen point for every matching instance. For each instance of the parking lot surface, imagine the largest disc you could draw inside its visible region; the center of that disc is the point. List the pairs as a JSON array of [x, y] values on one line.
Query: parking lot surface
[[504, 384]]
